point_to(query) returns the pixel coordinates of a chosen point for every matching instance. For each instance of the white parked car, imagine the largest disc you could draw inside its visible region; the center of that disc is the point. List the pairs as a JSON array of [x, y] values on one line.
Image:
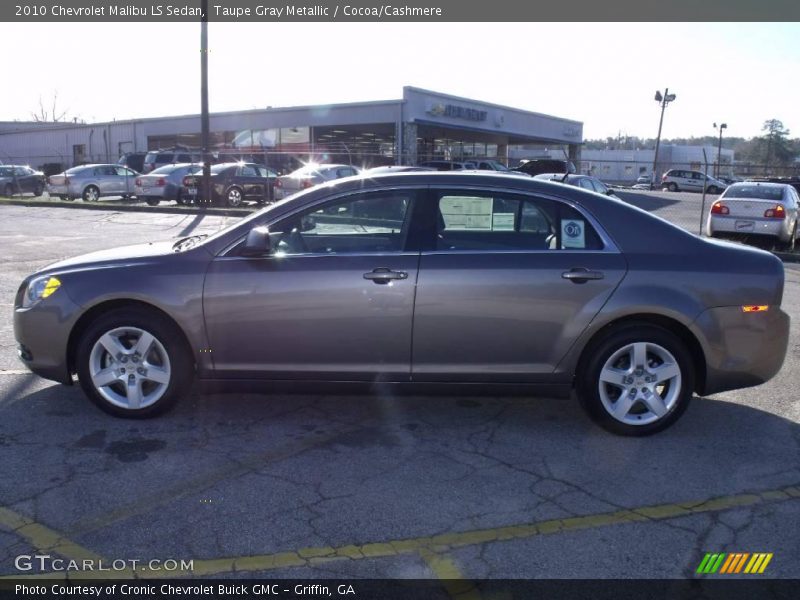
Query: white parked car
[[756, 208], [682, 180]]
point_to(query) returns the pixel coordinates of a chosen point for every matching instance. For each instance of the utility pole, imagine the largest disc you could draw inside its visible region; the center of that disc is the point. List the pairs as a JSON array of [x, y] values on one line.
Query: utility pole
[[719, 148], [664, 100], [204, 124]]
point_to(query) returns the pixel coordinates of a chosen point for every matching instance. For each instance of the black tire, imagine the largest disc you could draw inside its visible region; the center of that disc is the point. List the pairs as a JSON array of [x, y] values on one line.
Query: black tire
[[91, 193], [38, 190], [792, 243], [8, 190], [657, 339], [234, 196], [672, 186], [178, 360], [712, 189], [152, 200]]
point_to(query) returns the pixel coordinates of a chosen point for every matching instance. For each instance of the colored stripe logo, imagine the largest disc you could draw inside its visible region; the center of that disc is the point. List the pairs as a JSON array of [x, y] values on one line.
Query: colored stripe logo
[[734, 562]]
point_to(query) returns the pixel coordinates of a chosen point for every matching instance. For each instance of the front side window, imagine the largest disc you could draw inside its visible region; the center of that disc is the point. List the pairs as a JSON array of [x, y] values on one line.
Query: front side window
[[371, 222], [486, 221]]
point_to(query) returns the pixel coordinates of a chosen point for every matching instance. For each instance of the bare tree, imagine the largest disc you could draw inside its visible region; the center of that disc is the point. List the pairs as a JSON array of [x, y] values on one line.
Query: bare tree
[[54, 115]]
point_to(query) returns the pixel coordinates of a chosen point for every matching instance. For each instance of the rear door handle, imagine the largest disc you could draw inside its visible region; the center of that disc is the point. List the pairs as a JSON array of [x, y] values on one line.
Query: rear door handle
[[383, 275], [581, 275]]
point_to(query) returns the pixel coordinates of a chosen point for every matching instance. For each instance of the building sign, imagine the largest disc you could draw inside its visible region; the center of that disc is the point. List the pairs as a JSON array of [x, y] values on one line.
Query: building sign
[[457, 112]]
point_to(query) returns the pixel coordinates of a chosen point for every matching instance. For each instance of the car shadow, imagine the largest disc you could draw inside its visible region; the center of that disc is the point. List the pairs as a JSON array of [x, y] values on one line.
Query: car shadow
[[647, 202]]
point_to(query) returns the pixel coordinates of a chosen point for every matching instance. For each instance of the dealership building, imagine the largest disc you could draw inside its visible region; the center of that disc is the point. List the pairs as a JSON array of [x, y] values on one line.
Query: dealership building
[[422, 125]]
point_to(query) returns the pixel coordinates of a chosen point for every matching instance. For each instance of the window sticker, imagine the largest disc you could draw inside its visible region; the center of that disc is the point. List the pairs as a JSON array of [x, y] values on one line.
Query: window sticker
[[466, 213], [503, 221], [572, 233]]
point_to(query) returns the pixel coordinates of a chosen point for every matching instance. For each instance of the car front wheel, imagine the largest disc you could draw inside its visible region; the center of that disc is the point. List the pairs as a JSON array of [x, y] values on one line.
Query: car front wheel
[[131, 363], [637, 380], [234, 197]]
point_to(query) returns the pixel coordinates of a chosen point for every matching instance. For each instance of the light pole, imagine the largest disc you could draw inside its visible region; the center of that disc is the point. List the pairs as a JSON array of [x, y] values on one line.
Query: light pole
[[719, 147], [663, 100]]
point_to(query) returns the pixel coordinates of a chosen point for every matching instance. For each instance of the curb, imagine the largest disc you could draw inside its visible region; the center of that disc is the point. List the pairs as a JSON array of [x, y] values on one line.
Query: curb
[[128, 207]]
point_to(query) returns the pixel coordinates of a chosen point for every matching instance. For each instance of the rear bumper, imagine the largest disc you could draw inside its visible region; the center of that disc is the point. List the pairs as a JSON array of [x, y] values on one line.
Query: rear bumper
[[776, 228], [742, 349]]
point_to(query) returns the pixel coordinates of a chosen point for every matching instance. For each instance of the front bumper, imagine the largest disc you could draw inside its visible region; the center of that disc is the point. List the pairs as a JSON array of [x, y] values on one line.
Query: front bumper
[[742, 349], [42, 334]]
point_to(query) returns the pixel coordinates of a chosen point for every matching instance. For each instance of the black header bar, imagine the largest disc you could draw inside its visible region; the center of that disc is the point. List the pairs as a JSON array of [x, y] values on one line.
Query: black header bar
[[266, 11]]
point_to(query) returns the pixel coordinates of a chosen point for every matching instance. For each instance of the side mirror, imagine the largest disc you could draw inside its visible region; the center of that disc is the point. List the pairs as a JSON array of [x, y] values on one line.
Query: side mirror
[[257, 242]]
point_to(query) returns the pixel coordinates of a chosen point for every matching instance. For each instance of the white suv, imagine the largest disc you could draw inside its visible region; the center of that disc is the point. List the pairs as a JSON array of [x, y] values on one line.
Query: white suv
[[691, 181]]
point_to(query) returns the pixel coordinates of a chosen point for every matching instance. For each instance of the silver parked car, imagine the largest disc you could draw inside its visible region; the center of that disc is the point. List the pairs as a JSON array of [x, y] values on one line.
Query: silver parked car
[[165, 183], [419, 279], [683, 180], [760, 209], [587, 182], [309, 176], [91, 182]]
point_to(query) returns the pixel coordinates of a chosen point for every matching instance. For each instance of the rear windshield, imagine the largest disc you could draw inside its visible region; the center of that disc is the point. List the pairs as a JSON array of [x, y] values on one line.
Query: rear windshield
[[6, 172], [759, 192]]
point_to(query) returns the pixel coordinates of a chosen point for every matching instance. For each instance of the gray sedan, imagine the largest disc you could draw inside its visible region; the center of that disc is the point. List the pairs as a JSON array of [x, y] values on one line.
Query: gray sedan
[[165, 183], [419, 279], [91, 182]]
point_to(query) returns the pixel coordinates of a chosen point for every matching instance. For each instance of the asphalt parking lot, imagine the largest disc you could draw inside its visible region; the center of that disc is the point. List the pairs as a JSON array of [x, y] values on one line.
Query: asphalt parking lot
[[380, 486]]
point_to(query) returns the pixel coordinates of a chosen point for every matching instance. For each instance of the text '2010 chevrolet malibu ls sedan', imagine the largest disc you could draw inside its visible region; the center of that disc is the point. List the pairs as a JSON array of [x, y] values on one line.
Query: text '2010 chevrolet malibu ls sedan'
[[420, 279]]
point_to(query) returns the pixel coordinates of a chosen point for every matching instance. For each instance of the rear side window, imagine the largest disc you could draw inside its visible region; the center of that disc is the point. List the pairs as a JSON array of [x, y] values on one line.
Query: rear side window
[[486, 221]]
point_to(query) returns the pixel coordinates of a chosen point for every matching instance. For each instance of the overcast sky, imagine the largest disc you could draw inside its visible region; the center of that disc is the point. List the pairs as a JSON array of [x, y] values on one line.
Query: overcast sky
[[602, 74]]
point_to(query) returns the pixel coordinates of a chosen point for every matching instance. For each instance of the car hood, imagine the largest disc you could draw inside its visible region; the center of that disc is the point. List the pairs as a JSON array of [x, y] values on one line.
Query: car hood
[[113, 257]]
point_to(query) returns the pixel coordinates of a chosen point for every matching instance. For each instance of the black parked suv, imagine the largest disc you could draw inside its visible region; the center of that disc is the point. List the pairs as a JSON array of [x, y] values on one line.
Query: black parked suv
[[537, 166], [132, 160], [159, 158]]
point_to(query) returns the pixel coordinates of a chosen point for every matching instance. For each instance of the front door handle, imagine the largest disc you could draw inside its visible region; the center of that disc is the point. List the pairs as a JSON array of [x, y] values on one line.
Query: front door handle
[[383, 275], [581, 275]]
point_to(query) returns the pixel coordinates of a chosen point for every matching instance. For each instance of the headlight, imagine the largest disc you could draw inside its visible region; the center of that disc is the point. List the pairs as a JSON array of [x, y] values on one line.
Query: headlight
[[40, 288]]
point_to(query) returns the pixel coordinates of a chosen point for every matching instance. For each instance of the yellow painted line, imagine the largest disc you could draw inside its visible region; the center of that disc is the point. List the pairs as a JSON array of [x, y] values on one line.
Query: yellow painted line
[[309, 557], [457, 587], [47, 541]]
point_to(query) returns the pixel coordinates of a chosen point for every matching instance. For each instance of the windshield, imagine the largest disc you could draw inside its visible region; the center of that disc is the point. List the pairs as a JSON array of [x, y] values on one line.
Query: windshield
[[758, 192]]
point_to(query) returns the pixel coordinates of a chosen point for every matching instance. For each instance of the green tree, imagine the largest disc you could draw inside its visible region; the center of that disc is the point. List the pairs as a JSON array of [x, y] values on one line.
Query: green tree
[[778, 147]]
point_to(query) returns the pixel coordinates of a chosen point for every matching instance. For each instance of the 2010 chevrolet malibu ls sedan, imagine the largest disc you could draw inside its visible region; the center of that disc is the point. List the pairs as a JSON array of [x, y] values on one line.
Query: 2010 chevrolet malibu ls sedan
[[422, 279]]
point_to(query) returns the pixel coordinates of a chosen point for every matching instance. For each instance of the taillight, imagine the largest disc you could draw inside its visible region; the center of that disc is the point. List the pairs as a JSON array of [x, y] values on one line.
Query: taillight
[[664, 177], [718, 208], [278, 183], [138, 182], [307, 183], [188, 181], [776, 212], [161, 182]]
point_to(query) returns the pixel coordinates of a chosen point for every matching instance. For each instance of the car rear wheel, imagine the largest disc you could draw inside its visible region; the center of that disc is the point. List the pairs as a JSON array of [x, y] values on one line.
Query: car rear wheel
[[131, 363], [38, 190], [234, 196], [637, 380], [152, 200], [672, 187], [91, 194], [8, 190]]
